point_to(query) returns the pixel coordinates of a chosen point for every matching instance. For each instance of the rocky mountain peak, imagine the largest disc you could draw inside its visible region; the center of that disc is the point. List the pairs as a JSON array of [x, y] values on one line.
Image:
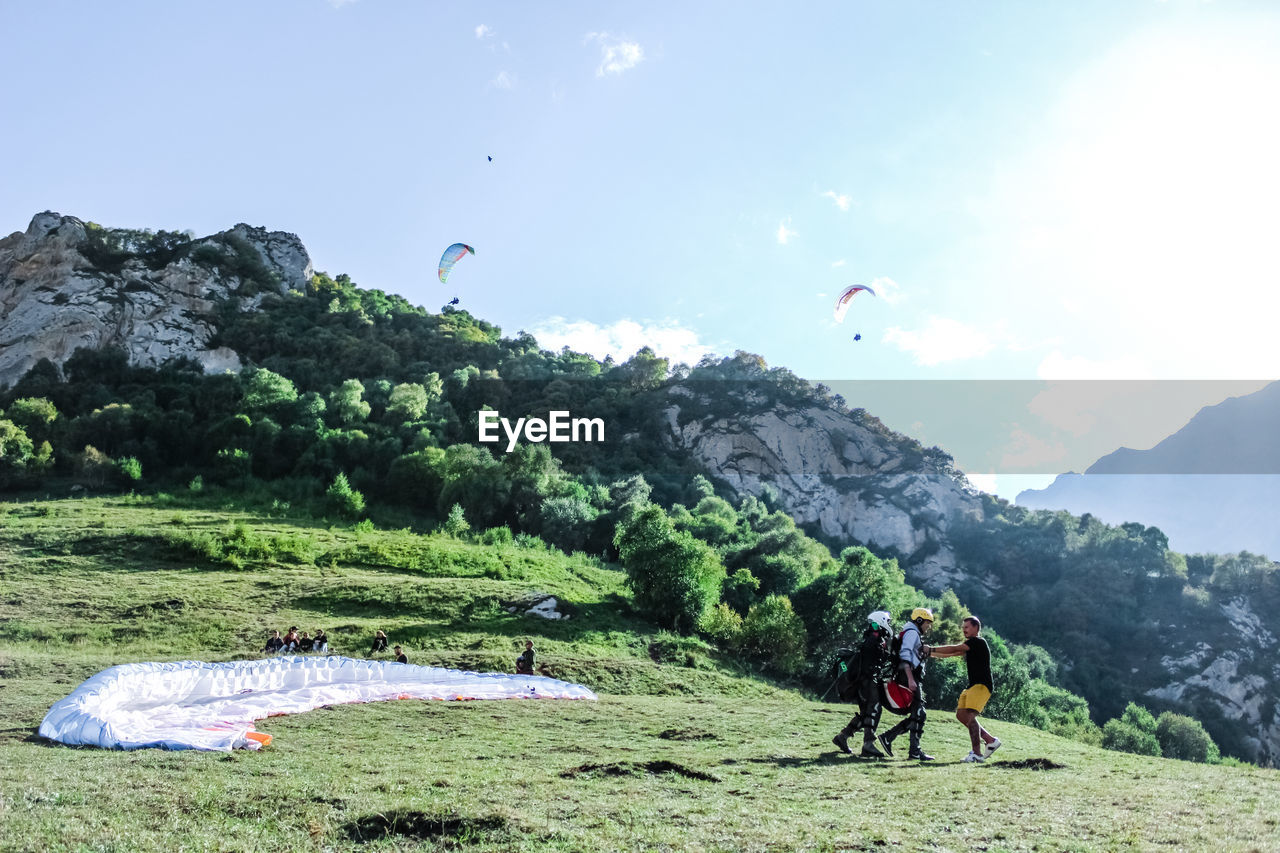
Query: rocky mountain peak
[[66, 284]]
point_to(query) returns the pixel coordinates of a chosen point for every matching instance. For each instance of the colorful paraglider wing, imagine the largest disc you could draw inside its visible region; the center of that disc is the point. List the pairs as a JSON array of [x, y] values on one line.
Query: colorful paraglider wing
[[450, 257], [197, 705], [842, 303]]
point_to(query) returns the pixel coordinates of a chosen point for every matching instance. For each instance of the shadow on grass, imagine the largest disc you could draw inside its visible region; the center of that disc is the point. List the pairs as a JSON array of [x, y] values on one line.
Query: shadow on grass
[[422, 826], [832, 758], [1028, 764]]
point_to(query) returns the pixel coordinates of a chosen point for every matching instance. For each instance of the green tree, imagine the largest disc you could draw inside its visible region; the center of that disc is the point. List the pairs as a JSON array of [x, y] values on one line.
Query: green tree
[[408, 402], [128, 470], [835, 605], [456, 525], [1184, 738], [343, 499], [347, 402], [19, 458], [265, 391], [1134, 731], [35, 415], [674, 577], [773, 633]]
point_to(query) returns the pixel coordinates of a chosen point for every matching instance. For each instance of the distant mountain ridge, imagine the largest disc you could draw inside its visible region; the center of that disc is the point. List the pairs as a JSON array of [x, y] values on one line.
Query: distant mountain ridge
[[1213, 486], [1236, 436]]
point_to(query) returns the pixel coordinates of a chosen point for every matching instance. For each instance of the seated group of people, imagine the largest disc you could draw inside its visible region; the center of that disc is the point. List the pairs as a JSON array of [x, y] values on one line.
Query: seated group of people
[[294, 641], [380, 645]]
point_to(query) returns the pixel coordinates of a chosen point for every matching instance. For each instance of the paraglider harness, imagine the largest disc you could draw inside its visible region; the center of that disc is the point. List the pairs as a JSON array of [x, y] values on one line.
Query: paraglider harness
[[853, 666], [894, 693]]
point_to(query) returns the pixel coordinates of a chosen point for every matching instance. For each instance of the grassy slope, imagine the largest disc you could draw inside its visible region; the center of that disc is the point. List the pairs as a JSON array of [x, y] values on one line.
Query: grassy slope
[[682, 755]]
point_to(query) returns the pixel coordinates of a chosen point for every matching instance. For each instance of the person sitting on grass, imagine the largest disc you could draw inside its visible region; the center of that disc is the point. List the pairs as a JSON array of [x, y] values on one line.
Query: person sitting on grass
[[524, 663], [379, 643], [320, 643], [291, 639], [274, 643], [304, 642], [400, 656]]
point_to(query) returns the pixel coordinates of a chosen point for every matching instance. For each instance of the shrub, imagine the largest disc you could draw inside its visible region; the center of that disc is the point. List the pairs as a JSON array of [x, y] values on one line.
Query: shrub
[[1134, 731], [196, 484], [774, 634], [129, 469], [497, 536], [456, 524], [343, 499], [1184, 738], [723, 625]]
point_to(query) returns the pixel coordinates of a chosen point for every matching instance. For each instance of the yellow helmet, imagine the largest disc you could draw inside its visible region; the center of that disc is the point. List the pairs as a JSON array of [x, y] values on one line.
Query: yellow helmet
[[922, 613]]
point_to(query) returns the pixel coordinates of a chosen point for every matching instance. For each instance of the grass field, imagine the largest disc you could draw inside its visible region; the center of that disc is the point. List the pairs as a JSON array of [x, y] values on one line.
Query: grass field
[[683, 751]]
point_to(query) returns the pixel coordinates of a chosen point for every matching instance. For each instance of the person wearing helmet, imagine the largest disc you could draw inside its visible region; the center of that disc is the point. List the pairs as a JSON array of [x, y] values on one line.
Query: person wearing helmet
[[977, 658], [860, 683], [911, 656]]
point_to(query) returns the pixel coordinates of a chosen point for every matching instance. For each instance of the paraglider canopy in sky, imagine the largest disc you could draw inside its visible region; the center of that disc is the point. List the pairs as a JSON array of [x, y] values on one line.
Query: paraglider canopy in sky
[[451, 256], [842, 303]]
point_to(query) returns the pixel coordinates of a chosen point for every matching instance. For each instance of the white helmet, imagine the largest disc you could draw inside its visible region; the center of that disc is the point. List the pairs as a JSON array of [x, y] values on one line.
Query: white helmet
[[881, 619]]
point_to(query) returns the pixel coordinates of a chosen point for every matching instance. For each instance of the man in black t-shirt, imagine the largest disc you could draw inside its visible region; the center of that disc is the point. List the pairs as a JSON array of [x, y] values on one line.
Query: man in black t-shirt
[[977, 658]]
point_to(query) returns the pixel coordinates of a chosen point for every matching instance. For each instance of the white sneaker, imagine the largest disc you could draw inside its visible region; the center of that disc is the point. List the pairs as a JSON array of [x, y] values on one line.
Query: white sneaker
[[972, 757], [992, 747]]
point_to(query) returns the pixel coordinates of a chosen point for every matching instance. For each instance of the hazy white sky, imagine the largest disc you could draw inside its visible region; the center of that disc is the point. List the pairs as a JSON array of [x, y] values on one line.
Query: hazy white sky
[[1035, 190]]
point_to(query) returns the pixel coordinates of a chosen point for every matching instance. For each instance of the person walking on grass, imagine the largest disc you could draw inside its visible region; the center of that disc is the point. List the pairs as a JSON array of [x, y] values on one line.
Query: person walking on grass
[[977, 658], [911, 655], [860, 683]]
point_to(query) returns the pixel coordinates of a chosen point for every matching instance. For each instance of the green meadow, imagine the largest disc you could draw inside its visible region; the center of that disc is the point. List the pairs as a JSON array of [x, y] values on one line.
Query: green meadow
[[685, 750]]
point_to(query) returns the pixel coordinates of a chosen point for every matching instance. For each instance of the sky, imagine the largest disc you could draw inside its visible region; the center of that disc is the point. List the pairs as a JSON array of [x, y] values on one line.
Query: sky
[[1035, 191]]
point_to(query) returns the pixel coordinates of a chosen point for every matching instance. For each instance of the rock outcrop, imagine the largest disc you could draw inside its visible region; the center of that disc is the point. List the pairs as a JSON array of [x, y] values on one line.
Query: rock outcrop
[[55, 299], [1236, 674], [846, 475]]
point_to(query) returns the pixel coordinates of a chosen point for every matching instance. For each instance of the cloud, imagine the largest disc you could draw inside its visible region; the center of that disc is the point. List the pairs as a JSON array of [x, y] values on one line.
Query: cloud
[[842, 201], [483, 31], [887, 289], [785, 233], [503, 80], [837, 264], [617, 55], [941, 340], [622, 339], [338, 4]]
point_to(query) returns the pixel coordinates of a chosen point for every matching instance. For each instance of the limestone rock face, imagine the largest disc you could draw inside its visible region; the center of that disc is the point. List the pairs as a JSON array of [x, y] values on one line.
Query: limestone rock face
[[1237, 674], [54, 299], [832, 469]]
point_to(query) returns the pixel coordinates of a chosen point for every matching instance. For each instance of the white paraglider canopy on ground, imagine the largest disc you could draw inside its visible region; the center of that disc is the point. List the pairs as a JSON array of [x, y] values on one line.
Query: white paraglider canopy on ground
[[199, 705]]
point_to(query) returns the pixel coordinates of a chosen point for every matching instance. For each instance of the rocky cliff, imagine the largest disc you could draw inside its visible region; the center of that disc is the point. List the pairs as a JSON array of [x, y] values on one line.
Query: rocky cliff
[[56, 294], [844, 473]]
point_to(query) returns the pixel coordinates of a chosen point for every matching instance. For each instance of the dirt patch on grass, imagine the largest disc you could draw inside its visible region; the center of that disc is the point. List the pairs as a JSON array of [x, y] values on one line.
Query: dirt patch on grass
[[409, 824], [686, 734], [1030, 764], [631, 768]]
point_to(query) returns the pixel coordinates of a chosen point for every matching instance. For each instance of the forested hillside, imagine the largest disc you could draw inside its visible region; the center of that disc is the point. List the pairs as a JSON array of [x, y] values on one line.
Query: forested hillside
[[357, 407]]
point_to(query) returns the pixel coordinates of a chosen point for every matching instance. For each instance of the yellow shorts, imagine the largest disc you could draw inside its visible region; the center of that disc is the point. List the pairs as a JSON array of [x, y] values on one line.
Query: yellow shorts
[[975, 698]]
